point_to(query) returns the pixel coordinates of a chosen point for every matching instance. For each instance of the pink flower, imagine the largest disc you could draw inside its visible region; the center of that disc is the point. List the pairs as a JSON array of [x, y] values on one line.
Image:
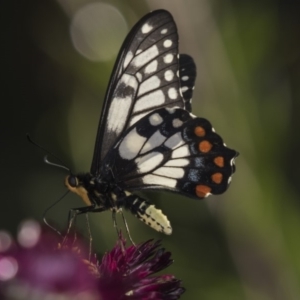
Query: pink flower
[[126, 273], [38, 266]]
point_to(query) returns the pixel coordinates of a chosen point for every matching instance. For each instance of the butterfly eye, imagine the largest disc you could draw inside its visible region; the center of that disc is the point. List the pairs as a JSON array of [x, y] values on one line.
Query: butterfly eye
[[72, 181]]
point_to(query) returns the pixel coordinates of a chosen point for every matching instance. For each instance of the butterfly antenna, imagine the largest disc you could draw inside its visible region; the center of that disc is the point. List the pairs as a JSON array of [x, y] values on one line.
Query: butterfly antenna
[[50, 163], [46, 160], [46, 211]]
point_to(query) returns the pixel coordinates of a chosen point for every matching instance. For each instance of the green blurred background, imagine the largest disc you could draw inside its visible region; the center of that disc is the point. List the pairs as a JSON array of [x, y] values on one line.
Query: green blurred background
[[244, 244]]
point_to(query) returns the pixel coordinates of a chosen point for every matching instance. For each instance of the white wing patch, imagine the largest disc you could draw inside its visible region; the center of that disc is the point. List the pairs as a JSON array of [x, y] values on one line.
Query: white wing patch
[[184, 89], [181, 162], [170, 172], [167, 43], [129, 80], [131, 144], [182, 151], [127, 59], [185, 78], [137, 118], [151, 179], [151, 83], [146, 28], [152, 67], [155, 119], [172, 93], [154, 141], [169, 75], [177, 123], [171, 110], [148, 101], [174, 141], [149, 162], [139, 76], [120, 106], [144, 57], [168, 58], [119, 109]]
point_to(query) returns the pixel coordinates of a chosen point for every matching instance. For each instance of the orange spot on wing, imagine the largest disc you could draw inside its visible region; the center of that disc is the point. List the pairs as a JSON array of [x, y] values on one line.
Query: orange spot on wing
[[202, 190], [205, 146], [199, 131], [217, 177], [219, 161]]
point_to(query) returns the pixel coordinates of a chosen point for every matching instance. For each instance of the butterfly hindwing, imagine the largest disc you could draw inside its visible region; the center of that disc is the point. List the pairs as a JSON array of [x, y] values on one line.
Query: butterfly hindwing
[[172, 149], [145, 78], [187, 77]]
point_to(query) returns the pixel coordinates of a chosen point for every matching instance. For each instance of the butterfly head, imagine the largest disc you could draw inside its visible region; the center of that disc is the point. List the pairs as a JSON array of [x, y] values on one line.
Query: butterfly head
[[76, 185]]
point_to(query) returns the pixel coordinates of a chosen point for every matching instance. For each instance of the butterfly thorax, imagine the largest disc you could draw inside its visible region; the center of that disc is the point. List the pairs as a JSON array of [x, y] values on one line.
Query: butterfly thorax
[[95, 191]]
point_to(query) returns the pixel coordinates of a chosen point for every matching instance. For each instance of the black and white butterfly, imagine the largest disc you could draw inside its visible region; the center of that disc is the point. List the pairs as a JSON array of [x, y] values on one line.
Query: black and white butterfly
[[147, 136]]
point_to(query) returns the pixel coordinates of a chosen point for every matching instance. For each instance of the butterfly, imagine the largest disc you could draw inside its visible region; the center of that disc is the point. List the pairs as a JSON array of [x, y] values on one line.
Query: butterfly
[[147, 136]]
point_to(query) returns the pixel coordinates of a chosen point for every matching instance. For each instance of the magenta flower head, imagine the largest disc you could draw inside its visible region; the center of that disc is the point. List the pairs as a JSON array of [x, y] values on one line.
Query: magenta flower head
[[126, 273], [38, 266]]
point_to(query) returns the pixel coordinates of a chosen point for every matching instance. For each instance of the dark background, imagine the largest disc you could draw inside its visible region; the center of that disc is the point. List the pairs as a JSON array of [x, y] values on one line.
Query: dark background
[[244, 244]]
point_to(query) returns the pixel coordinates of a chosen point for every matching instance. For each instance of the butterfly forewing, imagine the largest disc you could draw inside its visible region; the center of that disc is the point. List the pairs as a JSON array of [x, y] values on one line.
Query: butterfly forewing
[[145, 78]]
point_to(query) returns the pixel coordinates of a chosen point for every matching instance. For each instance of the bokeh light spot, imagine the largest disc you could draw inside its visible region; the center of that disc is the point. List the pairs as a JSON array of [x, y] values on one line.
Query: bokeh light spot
[[8, 268], [5, 241], [97, 31], [29, 233]]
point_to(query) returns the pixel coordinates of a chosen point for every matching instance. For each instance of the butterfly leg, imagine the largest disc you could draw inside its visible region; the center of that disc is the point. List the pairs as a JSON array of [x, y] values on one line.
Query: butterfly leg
[[127, 229], [90, 235], [74, 212], [115, 222]]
